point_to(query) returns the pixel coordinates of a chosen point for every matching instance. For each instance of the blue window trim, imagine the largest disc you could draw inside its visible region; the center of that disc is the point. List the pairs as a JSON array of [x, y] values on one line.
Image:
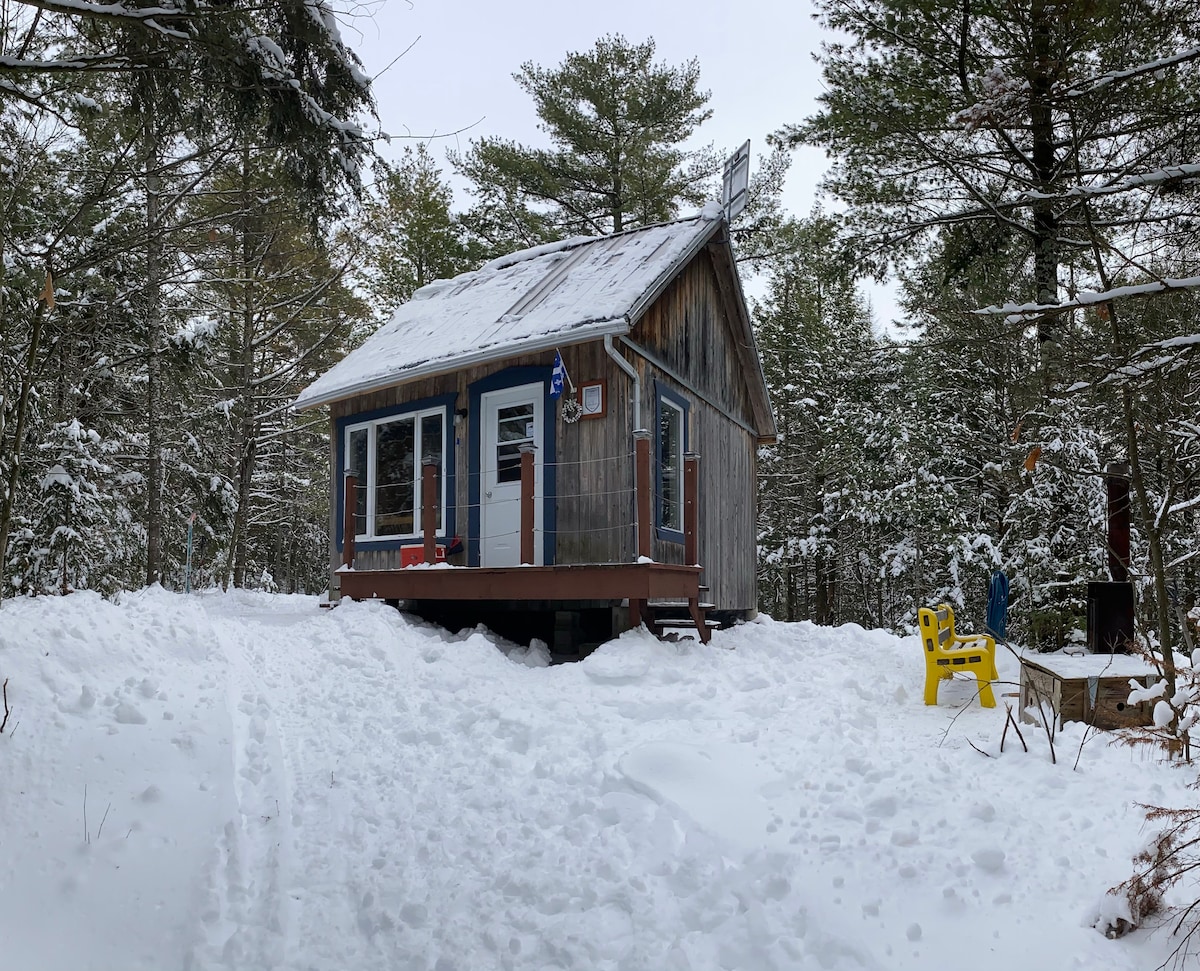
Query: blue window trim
[[661, 392], [512, 377], [444, 401]]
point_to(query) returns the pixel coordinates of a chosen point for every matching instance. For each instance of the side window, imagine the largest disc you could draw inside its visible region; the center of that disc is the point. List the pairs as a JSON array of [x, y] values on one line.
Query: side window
[[670, 445], [386, 455]]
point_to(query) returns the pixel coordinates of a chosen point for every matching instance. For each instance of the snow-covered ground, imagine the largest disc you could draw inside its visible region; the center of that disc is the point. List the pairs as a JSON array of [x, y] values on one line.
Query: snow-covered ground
[[269, 785]]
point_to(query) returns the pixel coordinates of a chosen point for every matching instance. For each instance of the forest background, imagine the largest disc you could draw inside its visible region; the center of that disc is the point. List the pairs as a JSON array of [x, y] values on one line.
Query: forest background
[[194, 223]]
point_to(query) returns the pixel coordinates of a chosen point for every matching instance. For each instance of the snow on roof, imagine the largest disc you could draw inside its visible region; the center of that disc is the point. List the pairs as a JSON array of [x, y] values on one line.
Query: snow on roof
[[563, 293]]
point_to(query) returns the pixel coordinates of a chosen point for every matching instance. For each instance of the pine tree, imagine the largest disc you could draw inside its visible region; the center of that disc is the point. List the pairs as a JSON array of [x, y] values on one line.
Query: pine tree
[[1054, 123], [412, 237], [280, 69], [616, 121], [90, 222], [277, 296], [823, 367], [1053, 147]]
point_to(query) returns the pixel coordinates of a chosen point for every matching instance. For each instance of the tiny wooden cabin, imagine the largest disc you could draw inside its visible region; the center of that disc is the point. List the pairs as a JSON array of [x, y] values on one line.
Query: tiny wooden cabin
[[639, 479]]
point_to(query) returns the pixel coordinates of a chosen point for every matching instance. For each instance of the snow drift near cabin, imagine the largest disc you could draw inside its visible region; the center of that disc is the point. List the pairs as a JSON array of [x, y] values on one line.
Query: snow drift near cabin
[[244, 781]]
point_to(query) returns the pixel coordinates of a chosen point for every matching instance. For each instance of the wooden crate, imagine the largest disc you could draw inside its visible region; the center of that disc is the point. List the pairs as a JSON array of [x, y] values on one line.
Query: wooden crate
[[1090, 688]]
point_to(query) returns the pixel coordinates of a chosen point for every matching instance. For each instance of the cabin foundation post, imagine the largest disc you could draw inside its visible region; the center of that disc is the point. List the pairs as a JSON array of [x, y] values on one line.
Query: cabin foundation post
[[348, 524], [641, 452], [691, 508], [429, 506], [527, 500]]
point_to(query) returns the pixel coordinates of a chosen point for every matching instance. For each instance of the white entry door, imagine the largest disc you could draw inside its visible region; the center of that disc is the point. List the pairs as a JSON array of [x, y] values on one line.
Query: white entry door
[[511, 418]]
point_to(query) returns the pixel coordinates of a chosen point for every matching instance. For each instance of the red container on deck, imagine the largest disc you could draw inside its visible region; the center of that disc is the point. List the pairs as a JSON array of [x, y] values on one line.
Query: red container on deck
[[414, 554]]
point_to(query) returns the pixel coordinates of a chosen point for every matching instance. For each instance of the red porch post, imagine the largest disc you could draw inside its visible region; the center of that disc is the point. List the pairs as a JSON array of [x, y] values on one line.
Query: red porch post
[[429, 506], [641, 454], [349, 526], [527, 501], [691, 509]]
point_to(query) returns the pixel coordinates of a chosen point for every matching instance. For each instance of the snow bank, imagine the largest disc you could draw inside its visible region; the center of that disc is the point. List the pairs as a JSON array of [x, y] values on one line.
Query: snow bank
[[285, 787]]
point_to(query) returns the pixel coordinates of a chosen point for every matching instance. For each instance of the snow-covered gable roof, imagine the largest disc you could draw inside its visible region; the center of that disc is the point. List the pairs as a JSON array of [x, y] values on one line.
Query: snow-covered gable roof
[[532, 300]]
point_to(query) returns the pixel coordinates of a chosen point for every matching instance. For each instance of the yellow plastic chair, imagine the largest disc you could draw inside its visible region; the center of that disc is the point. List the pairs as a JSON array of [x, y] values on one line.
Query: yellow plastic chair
[[947, 653]]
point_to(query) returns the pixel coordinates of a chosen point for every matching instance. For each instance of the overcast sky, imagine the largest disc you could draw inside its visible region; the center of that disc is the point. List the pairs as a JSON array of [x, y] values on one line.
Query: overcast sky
[[755, 58]]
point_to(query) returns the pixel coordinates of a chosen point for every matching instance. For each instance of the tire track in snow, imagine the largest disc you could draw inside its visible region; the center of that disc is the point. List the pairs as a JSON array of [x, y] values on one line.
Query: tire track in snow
[[248, 921], [319, 727]]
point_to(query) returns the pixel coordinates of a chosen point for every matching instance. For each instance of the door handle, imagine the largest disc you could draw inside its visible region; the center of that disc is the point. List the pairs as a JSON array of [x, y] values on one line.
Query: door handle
[[489, 494]]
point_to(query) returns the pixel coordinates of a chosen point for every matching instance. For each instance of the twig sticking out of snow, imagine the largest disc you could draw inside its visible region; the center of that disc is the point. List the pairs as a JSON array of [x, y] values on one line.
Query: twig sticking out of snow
[[1009, 720]]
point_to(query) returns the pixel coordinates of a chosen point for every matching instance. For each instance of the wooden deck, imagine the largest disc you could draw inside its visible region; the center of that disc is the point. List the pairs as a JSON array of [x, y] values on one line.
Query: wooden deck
[[603, 581], [636, 583]]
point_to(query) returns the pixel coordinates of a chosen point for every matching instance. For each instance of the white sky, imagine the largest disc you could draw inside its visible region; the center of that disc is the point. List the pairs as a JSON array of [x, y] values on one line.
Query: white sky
[[755, 58]]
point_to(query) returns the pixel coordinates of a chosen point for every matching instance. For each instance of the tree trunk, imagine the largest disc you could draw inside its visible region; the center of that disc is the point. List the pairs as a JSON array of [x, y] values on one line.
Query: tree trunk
[[247, 447], [154, 468], [9, 499], [1045, 220]]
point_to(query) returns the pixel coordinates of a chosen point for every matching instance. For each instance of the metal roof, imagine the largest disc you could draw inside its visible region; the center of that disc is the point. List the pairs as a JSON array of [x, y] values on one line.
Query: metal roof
[[560, 294]]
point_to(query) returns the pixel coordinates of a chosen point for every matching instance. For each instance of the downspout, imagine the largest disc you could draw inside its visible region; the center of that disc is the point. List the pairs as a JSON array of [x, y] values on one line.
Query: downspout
[[629, 369]]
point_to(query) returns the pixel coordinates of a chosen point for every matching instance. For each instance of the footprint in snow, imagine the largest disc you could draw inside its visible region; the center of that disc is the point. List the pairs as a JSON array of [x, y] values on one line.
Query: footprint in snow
[[990, 860], [127, 714]]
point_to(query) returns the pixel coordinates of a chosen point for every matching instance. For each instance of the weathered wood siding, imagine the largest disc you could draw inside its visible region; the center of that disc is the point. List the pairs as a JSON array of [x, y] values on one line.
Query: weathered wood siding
[[595, 474], [594, 485], [687, 331]]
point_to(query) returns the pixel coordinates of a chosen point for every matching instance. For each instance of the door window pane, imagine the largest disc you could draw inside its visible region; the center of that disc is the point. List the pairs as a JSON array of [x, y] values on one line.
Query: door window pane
[[395, 476], [514, 428], [358, 465]]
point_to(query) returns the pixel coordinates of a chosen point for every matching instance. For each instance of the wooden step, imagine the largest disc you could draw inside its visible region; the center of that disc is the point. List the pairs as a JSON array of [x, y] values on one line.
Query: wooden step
[[710, 624]]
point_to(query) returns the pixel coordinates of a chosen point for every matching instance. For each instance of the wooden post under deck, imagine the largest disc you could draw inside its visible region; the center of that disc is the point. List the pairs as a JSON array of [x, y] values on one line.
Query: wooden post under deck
[[641, 450], [527, 501], [691, 508], [348, 524], [429, 506]]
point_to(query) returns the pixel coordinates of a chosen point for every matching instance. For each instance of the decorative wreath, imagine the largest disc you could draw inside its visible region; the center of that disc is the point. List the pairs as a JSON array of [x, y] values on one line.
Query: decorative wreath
[[572, 410]]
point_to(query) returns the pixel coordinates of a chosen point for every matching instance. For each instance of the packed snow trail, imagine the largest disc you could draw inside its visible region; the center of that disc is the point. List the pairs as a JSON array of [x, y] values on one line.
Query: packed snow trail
[[349, 789]]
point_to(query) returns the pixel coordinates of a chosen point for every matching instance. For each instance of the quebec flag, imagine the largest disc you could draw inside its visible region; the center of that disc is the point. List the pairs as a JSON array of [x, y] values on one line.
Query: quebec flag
[[557, 376]]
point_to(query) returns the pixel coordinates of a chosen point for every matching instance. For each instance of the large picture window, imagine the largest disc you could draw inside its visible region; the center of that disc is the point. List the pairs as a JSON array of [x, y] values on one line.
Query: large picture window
[[386, 455], [670, 445]]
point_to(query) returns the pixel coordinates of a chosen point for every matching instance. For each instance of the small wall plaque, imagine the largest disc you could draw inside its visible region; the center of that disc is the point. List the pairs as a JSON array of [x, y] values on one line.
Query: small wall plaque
[[593, 399]]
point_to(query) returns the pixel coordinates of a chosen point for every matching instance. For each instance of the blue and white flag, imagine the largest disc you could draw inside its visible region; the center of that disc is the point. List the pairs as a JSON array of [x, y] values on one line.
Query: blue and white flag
[[557, 376]]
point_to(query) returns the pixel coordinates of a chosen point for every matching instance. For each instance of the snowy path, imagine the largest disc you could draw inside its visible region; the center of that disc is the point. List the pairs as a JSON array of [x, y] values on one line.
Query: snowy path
[[652, 807], [329, 790], [245, 922]]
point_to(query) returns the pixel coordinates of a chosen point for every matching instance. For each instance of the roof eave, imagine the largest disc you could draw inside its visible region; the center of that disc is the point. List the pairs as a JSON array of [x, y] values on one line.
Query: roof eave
[[578, 335]]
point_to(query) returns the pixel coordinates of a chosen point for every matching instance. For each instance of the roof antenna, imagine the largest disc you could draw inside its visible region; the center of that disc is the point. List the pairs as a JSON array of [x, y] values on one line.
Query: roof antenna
[[735, 183]]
